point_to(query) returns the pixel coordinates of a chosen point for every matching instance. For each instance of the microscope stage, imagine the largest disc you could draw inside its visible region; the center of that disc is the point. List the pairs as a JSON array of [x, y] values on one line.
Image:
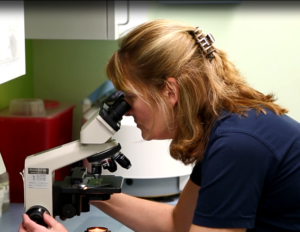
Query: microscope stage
[[106, 184]]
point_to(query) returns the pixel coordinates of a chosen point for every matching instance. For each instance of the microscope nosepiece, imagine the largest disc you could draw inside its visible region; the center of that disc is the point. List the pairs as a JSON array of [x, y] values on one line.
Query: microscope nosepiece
[[122, 160], [109, 164]]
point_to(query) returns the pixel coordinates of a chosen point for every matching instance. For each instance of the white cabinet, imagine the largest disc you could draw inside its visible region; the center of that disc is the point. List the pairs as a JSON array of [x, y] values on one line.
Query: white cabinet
[[12, 42], [127, 15], [82, 20]]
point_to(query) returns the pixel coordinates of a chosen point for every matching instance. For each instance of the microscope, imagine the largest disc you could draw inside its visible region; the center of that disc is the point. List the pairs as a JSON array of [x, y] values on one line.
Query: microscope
[[70, 197]]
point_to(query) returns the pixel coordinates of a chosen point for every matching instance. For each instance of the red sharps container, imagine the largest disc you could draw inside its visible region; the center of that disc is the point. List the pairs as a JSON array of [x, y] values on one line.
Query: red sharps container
[[30, 126]]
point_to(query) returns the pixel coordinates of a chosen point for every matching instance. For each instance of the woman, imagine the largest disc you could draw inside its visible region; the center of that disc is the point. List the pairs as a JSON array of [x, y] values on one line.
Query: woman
[[245, 149]]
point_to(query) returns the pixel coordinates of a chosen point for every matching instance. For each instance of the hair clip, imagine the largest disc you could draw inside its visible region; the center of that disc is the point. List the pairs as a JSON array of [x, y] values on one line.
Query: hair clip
[[205, 42]]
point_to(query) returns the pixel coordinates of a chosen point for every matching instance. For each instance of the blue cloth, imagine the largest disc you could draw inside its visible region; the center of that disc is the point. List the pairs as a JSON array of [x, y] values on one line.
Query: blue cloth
[[250, 174]]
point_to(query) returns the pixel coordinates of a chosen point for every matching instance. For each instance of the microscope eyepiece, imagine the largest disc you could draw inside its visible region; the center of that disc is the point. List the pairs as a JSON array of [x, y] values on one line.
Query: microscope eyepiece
[[118, 109], [113, 114]]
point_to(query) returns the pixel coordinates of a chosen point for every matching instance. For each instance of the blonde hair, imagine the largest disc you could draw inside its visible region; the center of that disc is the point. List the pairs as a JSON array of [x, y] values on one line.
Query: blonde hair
[[159, 49]]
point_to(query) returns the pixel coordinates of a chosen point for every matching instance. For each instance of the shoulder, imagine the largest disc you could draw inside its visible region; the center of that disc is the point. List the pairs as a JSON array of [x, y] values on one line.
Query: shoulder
[[250, 122], [269, 130], [238, 151], [232, 122], [239, 130]]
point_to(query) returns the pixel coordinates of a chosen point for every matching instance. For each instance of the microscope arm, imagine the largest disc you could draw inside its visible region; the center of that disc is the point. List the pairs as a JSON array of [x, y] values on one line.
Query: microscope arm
[[40, 167]]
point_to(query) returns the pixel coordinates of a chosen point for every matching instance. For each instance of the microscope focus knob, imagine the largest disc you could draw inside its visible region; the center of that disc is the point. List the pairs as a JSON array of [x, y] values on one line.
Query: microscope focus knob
[[68, 211], [36, 214]]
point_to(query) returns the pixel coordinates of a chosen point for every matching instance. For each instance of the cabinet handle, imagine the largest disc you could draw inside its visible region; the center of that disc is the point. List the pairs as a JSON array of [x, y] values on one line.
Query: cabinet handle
[[128, 17]]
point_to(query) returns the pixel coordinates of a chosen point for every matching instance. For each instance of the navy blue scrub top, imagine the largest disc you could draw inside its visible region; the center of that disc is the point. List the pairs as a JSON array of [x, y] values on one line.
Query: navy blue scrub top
[[250, 174]]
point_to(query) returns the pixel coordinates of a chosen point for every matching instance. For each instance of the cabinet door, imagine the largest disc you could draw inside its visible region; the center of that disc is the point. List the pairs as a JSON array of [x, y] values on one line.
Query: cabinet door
[[66, 20], [128, 14], [90, 20]]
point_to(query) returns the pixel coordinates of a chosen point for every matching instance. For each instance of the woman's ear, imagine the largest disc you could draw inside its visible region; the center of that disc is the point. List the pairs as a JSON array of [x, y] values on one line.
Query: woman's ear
[[171, 91]]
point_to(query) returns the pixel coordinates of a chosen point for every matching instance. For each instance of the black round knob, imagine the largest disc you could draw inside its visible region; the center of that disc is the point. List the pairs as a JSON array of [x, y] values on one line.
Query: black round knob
[[129, 181], [68, 211], [35, 213]]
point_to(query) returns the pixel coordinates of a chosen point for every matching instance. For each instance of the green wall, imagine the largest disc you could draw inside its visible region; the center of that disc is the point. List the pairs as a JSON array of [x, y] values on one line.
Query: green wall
[[69, 70], [260, 37], [21, 87]]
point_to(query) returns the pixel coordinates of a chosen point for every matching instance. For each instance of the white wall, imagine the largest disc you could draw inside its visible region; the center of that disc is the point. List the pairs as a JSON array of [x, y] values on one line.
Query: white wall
[[261, 37]]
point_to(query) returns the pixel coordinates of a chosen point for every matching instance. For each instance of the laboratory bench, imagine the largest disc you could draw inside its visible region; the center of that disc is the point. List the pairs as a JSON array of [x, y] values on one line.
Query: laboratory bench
[[11, 219]]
